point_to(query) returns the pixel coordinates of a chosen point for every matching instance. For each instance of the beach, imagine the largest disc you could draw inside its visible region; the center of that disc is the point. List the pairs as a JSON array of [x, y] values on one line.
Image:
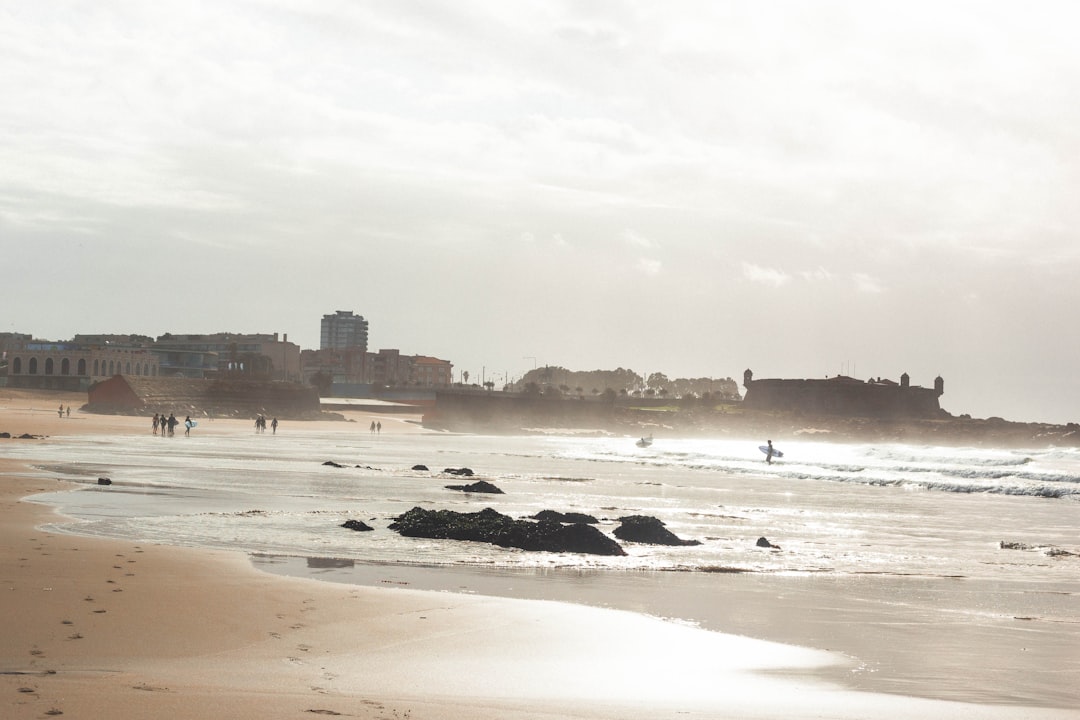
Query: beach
[[98, 627]]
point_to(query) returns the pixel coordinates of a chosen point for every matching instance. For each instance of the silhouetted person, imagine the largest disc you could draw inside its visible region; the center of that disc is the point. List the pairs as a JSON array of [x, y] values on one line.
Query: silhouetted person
[[769, 453], [273, 426]]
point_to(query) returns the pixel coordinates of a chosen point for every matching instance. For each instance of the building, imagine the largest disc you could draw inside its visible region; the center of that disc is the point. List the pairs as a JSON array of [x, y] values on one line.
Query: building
[[343, 330], [259, 356], [840, 395], [74, 365]]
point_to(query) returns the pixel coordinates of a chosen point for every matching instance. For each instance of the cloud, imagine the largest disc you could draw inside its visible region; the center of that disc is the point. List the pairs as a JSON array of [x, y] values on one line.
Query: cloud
[[867, 284], [764, 275], [649, 266]]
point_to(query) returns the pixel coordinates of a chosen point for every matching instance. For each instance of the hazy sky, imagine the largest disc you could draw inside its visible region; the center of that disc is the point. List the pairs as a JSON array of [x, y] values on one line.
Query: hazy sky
[[801, 188]]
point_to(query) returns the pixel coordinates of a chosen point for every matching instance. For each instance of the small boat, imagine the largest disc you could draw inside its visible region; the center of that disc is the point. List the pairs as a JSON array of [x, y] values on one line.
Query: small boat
[[644, 442]]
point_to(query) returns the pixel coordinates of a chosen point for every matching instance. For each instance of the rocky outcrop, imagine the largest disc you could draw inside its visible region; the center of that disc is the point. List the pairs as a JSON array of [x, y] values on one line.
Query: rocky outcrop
[[570, 517], [104, 481], [763, 542], [463, 472], [331, 463], [480, 486], [357, 525], [493, 527], [647, 529], [420, 468]]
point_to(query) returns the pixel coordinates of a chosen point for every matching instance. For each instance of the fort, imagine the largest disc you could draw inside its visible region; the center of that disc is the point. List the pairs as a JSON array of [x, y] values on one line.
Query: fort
[[841, 395]]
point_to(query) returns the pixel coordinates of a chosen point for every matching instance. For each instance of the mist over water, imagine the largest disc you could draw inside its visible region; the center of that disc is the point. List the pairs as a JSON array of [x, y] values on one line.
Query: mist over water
[[970, 544]]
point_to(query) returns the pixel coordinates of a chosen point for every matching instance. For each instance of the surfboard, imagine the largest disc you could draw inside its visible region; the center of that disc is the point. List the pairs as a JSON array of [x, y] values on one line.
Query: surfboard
[[775, 453], [193, 423]]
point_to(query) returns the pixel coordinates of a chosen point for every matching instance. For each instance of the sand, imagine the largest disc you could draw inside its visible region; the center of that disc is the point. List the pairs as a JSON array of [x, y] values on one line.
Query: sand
[[100, 628]]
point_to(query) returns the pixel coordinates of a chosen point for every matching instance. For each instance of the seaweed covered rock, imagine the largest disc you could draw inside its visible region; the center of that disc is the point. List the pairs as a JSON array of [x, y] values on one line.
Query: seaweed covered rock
[[647, 529], [570, 517], [480, 486], [420, 468], [493, 527], [464, 472]]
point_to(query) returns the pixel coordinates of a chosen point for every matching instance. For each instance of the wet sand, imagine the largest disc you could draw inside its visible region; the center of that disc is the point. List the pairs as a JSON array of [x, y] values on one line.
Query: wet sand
[[103, 628]]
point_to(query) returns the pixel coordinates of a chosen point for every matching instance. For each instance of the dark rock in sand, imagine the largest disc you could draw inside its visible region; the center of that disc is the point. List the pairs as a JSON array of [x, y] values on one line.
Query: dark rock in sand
[[28, 436], [464, 472], [5, 434], [357, 525], [423, 468], [764, 543], [493, 527], [480, 486], [104, 481], [331, 463], [647, 529], [570, 517]]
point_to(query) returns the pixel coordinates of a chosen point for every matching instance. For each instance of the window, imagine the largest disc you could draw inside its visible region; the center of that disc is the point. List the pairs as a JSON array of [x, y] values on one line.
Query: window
[[65, 366], [48, 366]]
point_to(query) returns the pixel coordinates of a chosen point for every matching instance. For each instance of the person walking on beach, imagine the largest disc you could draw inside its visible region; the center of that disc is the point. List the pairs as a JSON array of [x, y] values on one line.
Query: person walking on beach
[[273, 426], [172, 423], [156, 421], [372, 427], [68, 411], [187, 426], [769, 453], [378, 427], [60, 412]]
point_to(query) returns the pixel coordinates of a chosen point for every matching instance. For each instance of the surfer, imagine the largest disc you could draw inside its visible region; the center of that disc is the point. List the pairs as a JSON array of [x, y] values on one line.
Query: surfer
[[769, 453]]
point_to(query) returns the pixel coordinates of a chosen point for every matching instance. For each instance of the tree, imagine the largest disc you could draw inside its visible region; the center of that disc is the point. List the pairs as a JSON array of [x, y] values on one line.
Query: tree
[[465, 377]]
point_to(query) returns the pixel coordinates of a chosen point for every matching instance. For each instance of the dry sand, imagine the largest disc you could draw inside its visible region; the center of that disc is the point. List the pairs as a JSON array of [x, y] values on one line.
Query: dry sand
[[111, 629]]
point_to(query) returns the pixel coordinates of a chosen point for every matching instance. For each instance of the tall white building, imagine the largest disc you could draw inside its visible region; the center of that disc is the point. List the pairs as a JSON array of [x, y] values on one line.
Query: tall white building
[[343, 329]]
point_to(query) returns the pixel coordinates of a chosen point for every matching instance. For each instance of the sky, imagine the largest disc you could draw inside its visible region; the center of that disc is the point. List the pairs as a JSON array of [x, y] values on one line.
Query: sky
[[696, 188]]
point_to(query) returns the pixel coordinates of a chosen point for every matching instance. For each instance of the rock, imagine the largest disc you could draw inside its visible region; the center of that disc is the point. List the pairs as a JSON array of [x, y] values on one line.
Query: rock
[[331, 463], [27, 436], [104, 481], [465, 472], [357, 525], [646, 529], [480, 486], [571, 517], [5, 434], [422, 468], [1006, 545], [493, 527], [764, 543]]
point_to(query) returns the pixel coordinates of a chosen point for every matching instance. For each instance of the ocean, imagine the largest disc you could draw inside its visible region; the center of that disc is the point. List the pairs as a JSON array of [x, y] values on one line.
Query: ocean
[[950, 573]]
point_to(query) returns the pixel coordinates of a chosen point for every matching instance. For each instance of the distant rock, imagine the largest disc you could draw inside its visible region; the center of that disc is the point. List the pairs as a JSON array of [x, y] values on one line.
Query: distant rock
[[5, 434], [763, 542], [357, 525], [104, 481], [331, 463], [647, 529], [571, 517], [464, 472], [421, 468], [1006, 545], [493, 527], [480, 486]]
